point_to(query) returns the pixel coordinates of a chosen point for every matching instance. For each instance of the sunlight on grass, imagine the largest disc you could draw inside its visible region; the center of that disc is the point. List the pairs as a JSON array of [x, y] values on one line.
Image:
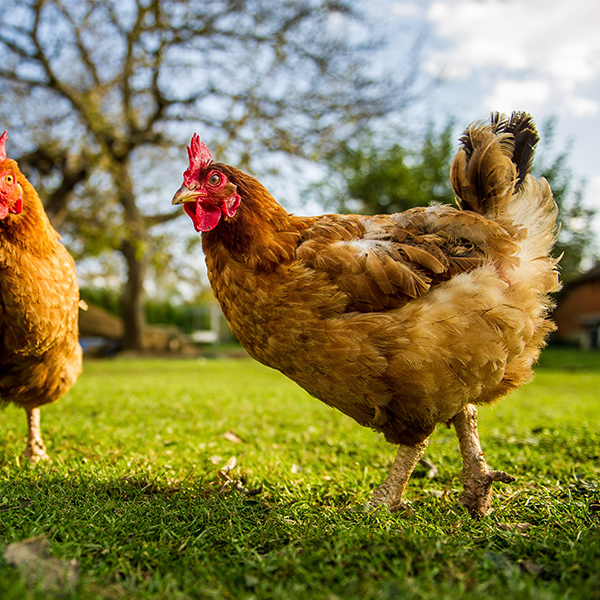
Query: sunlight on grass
[[134, 492]]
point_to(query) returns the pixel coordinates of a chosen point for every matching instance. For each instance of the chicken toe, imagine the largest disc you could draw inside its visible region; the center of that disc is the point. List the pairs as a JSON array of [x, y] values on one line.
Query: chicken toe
[[476, 477], [391, 490], [35, 449]]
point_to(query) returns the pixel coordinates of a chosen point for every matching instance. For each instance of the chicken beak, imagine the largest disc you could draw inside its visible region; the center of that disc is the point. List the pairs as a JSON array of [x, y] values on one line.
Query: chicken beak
[[184, 194]]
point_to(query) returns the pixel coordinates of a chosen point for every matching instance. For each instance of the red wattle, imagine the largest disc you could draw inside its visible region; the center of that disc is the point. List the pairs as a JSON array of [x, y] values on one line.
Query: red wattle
[[18, 209], [204, 216]]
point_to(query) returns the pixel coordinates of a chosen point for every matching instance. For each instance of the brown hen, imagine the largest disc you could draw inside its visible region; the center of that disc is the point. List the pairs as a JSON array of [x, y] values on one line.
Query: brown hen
[[402, 321], [40, 357]]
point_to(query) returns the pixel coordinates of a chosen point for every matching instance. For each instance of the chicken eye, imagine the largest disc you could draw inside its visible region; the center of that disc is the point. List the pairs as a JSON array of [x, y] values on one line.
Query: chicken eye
[[9, 179], [214, 179]]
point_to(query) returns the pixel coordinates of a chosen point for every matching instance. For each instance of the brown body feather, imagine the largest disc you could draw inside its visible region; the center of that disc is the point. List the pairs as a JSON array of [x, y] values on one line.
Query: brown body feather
[[40, 357], [398, 321]]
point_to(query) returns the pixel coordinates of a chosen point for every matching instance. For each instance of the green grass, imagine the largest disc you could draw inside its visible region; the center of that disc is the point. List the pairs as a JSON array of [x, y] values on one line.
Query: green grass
[[134, 495]]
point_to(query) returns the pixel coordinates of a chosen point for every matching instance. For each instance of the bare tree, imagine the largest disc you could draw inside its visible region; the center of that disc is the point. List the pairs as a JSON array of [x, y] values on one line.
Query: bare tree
[[101, 95]]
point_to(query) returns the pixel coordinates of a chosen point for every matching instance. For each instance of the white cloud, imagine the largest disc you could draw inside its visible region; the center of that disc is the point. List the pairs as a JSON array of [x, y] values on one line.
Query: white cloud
[[582, 107], [533, 51], [509, 94]]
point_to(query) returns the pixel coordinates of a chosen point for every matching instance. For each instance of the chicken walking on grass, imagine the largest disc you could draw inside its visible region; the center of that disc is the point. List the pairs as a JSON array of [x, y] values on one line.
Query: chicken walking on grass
[[401, 321], [40, 356]]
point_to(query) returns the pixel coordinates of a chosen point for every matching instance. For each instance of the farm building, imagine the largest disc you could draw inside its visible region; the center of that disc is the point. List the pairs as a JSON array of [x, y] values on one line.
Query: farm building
[[578, 312]]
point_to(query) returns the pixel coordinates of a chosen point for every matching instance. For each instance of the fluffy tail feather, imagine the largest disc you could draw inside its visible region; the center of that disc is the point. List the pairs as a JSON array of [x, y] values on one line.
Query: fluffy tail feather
[[493, 162], [490, 175], [520, 125]]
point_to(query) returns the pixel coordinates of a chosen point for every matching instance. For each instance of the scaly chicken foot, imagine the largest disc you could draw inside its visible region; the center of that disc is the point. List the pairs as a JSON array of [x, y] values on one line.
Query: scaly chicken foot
[[391, 490], [476, 478], [35, 449]]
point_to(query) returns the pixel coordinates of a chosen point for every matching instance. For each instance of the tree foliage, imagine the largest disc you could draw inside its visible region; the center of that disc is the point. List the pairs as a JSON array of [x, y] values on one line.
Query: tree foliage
[[373, 179]]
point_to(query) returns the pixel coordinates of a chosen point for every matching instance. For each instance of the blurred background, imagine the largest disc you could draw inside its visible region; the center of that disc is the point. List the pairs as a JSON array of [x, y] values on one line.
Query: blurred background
[[334, 105]]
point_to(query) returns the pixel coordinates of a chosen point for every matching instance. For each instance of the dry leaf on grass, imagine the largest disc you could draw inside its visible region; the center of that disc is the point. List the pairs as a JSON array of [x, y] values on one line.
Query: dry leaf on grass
[[531, 567], [228, 467], [232, 437], [521, 528], [38, 567], [228, 482]]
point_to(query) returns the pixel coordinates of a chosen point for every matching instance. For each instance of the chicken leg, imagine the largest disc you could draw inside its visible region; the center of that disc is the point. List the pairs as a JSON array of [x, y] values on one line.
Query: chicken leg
[[391, 490], [476, 477], [35, 449]]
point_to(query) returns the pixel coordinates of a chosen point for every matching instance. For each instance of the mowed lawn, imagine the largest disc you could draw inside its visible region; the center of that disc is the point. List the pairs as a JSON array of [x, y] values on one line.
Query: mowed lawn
[[138, 501]]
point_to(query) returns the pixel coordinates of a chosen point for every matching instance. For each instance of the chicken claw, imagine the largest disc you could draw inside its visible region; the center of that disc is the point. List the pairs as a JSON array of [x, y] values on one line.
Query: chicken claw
[[476, 477], [391, 490], [35, 449]]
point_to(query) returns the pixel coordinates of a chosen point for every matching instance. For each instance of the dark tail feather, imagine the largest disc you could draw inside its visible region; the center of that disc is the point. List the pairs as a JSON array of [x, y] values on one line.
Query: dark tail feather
[[493, 161], [525, 136]]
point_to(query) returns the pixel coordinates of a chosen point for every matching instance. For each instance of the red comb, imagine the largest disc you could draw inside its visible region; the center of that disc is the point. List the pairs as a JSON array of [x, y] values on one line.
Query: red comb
[[200, 158], [2, 148]]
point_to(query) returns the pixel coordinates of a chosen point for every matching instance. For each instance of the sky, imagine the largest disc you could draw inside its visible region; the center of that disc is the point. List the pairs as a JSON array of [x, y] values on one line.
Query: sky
[[541, 56]]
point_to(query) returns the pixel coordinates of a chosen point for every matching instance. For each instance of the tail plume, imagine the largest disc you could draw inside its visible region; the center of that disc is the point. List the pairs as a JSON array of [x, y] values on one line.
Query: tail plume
[[493, 161], [491, 176], [520, 125]]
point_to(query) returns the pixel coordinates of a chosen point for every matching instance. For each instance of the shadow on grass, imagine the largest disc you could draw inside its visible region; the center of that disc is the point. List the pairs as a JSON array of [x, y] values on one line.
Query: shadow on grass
[[157, 538]]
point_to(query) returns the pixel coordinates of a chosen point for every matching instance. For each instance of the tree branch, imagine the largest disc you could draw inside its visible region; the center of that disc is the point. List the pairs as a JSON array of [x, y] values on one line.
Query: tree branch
[[83, 51], [132, 39], [159, 219]]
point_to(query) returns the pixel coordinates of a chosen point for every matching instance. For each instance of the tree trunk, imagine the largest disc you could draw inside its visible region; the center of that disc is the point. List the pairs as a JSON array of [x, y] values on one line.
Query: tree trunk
[[135, 250], [132, 301]]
